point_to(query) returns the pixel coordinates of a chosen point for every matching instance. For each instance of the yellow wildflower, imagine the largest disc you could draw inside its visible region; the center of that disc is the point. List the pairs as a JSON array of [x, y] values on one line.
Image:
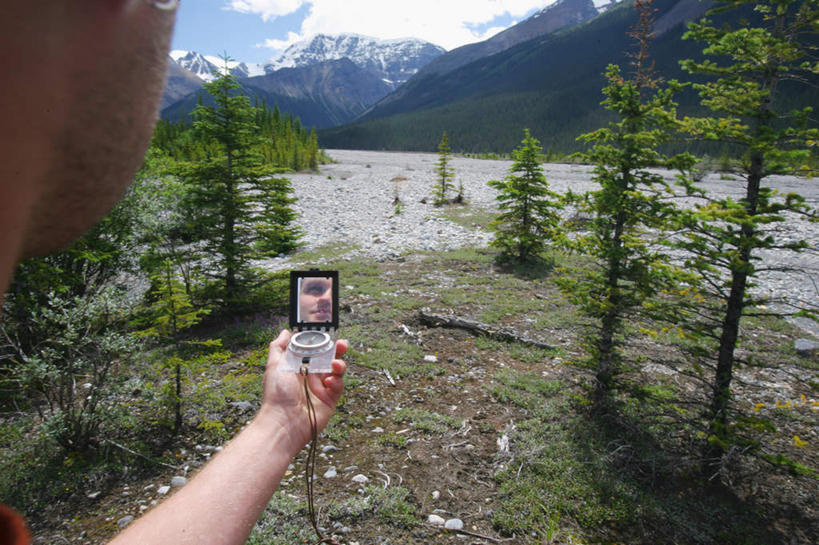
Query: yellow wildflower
[[798, 442]]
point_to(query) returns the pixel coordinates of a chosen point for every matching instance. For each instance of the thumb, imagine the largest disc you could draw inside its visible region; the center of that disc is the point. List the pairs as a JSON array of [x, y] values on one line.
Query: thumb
[[277, 348]]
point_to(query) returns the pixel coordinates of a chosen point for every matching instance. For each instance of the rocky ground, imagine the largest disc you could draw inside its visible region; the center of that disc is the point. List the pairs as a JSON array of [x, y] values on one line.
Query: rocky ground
[[429, 432]]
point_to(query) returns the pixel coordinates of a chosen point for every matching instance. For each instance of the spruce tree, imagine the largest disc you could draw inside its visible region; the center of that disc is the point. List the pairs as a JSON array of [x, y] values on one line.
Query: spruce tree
[[748, 65], [170, 313], [238, 212], [629, 267], [444, 171], [529, 210]]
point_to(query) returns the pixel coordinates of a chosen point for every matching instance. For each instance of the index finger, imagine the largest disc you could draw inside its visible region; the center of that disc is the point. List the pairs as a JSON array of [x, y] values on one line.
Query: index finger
[[341, 347]]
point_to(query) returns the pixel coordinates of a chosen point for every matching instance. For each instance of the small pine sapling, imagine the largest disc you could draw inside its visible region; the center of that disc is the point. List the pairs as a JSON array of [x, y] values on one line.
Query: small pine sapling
[[529, 212], [444, 172]]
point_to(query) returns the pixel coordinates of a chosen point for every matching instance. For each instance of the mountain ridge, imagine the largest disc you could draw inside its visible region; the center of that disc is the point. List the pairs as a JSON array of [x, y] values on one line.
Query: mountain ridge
[[551, 84], [327, 81], [561, 14], [395, 60]]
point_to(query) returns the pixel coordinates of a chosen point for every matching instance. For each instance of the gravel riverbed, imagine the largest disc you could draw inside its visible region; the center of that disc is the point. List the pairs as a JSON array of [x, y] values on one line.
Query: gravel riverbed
[[349, 205]]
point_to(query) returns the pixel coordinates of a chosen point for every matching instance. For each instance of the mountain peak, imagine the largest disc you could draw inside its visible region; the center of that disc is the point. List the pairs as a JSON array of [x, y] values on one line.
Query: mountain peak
[[210, 67], [395, 60]]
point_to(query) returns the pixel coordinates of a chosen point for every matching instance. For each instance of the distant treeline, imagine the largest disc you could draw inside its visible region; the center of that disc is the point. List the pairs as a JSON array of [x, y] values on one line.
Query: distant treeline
[[285, 144]]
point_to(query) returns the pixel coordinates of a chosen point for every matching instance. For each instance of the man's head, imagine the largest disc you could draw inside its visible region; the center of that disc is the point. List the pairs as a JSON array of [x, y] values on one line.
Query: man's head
[[80, 96]]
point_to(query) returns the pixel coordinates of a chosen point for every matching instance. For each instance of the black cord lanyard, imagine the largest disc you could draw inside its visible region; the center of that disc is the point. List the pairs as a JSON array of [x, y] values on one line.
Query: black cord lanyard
[[310, 464]]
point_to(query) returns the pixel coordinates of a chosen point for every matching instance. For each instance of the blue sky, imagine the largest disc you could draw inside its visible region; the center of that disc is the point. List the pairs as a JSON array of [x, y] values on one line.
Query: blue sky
[[256, 31]]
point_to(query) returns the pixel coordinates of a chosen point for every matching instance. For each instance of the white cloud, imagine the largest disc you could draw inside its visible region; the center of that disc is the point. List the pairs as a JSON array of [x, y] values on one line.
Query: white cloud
[[448, 23], [272, 43], [268, 9]]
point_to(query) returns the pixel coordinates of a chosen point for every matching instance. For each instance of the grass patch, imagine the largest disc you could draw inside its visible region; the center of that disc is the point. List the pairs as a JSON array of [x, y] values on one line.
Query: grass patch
[[323, 254], [428, 421], [470, 217], [400, 358], [552, 477], [518, 351], [391, 505], [606, 479], [392, 439], [340, 426], [283, 522]]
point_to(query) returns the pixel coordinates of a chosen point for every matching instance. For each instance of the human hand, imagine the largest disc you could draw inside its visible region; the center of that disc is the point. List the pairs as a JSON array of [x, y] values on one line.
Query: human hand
[[283, 401]]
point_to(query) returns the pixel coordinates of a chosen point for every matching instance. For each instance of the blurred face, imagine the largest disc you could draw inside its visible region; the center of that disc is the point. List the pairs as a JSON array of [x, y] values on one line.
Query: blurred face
[[82, 115], [316, 300]]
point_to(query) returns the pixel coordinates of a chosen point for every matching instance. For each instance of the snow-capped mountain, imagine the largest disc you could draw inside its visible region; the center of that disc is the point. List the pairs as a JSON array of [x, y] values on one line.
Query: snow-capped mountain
[[209, 67], [395, 61]]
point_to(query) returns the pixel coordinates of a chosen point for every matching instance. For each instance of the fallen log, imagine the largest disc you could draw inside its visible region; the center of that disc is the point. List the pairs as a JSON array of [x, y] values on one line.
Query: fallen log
[[430, 319]]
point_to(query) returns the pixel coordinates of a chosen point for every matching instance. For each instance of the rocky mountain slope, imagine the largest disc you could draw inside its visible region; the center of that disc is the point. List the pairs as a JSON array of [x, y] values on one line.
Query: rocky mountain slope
[[394, 61], [326, 81], [563, 13]]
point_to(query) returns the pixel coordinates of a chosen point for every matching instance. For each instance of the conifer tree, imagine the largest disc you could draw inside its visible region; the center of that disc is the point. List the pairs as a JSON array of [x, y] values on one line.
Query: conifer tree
[[629, 268], [444, 171], [170, 313], [529, 210], [748, 65], [238, 212]]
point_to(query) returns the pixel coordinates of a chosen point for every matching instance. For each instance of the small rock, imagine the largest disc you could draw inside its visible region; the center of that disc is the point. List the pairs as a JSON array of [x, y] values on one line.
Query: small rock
[[162, 490], [350, 468], [435, 494], [503, 443], [378, 429], [361, 479], [244, 406], [436, 520], [125, 521], [178, 481], [806, 347], [430, 358], [329, 448], [454, 524], [93, 495], [330, 473]]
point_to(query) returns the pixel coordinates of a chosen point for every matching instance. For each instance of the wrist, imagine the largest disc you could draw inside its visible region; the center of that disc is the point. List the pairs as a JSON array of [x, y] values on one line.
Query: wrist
[[281, 431]]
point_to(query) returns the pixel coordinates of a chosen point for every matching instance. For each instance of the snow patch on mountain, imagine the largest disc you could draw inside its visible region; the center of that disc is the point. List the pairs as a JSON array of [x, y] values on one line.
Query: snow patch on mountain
[[210, 67], [395, 61]]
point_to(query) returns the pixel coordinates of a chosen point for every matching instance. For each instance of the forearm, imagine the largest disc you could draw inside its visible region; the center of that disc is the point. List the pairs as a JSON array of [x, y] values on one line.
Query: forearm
[[220, 505]]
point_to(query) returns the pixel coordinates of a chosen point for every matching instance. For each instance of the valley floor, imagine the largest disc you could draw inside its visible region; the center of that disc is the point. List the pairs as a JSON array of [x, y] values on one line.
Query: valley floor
[[494, 434], [350, 205]]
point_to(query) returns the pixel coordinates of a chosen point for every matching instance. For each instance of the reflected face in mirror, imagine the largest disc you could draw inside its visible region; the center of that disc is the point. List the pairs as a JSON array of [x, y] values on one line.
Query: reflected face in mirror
[[316, 299]]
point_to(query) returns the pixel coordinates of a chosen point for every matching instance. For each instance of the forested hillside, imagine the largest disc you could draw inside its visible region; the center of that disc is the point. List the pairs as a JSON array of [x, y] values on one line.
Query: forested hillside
[[550, 84]]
